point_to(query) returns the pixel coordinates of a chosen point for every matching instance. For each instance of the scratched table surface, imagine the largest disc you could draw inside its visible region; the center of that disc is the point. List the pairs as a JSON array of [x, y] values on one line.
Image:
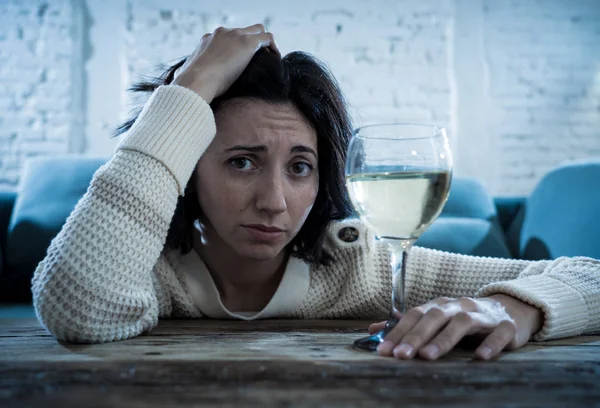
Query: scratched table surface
[[282, 363]]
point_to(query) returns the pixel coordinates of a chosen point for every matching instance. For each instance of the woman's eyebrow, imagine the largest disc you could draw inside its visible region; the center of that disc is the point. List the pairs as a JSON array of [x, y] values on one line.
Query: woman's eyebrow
[[304, 149], [263, 148], [260, 148]]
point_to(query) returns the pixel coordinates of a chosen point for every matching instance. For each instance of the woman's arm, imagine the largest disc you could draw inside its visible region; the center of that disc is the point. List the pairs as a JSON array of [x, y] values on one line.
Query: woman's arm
[[565, 290], [517, 301], [96, 283]]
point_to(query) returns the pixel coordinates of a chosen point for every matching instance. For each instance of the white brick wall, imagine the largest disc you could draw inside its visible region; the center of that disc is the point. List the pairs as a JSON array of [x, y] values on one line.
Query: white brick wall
[[543, 58], [391, 58], [39, 82], [515, 82]]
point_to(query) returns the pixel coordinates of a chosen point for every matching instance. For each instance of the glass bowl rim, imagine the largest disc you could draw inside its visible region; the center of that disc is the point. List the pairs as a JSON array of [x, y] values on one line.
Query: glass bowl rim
[[438, 130]]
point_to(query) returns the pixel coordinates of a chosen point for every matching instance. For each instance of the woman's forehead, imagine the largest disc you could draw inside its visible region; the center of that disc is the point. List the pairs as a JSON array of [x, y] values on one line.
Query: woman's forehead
[[258, 122]]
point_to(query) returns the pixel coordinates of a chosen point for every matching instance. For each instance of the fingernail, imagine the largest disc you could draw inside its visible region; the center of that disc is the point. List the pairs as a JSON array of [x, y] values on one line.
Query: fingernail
[[385, 347], [403, 350], [485, 352], [431, 351]]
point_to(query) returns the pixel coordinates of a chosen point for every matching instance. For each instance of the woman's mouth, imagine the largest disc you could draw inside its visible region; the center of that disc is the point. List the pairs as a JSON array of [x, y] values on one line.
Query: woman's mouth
[[263, 232]]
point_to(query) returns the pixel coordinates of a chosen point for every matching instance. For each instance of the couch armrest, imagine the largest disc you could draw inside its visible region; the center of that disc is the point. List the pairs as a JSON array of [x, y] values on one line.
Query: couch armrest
[[508, 208]]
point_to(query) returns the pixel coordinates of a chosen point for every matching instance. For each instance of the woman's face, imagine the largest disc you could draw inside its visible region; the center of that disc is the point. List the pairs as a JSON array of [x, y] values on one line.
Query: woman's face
[[258, 180]]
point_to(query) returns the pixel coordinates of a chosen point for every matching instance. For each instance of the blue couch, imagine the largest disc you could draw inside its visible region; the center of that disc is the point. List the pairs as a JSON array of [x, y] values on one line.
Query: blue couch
[[560, 218]]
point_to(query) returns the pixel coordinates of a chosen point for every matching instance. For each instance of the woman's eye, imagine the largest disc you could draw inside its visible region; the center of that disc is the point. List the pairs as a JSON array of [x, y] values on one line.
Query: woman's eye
[[301, 169], [241, 163]]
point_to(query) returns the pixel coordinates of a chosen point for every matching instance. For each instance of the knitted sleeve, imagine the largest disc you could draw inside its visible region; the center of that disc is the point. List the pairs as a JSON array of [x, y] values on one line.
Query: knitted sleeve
[[96, 283], [567, 290]]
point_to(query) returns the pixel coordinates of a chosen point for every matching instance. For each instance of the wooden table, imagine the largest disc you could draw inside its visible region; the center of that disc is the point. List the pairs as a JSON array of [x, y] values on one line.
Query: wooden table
[[281, 363]]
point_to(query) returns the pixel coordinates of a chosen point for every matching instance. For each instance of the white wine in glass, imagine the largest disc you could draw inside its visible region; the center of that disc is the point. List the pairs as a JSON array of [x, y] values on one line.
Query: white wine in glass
[[398, 177]]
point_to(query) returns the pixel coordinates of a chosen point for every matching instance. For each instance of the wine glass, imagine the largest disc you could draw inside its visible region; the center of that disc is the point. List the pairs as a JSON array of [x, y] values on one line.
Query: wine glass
[[398, 177]]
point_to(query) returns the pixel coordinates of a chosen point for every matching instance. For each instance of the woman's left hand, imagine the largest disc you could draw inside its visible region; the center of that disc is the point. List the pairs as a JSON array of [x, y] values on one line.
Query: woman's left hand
[[433, 329]]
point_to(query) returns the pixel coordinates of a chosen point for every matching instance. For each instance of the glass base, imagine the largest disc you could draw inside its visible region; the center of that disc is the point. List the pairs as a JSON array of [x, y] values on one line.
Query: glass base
[[371, 342]]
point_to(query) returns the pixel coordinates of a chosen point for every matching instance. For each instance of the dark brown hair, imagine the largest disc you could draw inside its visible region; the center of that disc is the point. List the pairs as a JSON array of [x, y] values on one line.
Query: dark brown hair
[[306, 82]]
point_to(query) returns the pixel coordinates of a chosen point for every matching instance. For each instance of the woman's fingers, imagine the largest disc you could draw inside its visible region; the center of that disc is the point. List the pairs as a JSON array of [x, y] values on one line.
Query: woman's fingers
[[412, 332], [458, 327], [407, 322], [430, 325], [254, 29], [266, 40], [497, 341], [221, 57], [375, 327], [435, 328]]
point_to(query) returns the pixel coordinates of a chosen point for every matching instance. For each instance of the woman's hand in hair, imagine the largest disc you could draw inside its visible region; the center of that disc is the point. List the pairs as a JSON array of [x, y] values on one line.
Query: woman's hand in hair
[[220, 58], [433, 329]]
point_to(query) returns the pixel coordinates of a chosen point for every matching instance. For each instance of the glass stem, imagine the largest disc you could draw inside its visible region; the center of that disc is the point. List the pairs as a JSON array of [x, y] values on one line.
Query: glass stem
[[399, 250]]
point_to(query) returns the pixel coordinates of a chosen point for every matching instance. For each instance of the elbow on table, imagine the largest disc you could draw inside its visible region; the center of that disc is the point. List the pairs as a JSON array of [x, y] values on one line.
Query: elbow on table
[[73, 321], [88, 316], [74, 326]]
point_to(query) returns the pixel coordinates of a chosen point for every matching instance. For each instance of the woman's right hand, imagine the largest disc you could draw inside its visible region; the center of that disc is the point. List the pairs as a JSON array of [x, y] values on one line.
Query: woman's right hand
[[220, 58]]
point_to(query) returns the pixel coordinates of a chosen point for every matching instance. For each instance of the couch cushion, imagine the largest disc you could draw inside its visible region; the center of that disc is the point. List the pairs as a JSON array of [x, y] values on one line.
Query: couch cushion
[[49, 189], [469, 199], [7, 202], [562, 215], [468, 223], [469, 236]]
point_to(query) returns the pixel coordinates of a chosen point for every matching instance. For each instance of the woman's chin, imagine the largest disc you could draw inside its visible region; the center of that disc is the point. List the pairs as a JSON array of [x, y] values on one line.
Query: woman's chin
[[260, 252]]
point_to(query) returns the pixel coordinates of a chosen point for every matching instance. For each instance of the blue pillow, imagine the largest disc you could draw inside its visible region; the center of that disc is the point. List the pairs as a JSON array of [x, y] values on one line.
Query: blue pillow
[[50, 188]]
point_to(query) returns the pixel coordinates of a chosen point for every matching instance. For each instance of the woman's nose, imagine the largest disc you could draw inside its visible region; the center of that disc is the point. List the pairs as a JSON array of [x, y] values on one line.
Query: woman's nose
[[271, 194]]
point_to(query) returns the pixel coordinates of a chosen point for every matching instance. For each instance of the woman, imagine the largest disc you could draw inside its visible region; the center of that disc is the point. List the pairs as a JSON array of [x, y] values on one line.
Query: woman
[[233, 211]]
